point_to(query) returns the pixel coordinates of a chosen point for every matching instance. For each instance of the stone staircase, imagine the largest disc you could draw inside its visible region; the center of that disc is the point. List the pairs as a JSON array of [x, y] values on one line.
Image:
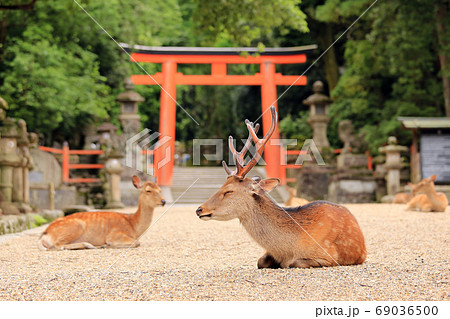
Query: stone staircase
[[210, 179]]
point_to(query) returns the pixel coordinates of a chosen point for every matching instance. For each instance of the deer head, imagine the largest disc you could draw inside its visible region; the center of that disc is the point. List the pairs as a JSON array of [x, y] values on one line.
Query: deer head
[[425, 185], [292, 191], [413, 188], [239, 193], [150, 195]]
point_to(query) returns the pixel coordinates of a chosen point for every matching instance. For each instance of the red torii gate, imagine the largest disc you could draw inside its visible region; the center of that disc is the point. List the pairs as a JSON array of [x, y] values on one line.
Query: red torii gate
[[169, 78]]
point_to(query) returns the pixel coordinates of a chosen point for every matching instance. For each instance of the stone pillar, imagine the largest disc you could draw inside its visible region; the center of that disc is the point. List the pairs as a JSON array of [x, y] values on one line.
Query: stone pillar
[[393, 166], [318, 118], [113, 168], [23, 144]]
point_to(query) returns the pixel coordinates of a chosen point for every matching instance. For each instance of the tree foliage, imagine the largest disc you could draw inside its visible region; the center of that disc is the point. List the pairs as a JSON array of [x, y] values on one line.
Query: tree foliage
[[59, 70], [391, 67], [243, 22]]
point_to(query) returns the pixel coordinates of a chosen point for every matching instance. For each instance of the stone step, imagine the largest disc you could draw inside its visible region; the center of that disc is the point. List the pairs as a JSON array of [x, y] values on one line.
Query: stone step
[[210, 179]]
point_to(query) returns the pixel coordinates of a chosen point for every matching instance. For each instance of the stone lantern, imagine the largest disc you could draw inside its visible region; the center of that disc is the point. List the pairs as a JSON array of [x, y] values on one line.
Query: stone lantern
[[318, 118], [15, 162], [129, 117], [108, 140], [107, 135], [393, 166]]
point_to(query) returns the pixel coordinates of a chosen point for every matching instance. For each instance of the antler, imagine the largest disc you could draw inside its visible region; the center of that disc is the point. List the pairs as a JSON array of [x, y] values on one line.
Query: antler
[[241, 169]]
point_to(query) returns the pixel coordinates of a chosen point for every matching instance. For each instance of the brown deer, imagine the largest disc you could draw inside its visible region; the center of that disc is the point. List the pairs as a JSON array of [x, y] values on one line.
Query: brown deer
[[293, 199], [314, 235], [104, 229], [430, 200], [404, 198]]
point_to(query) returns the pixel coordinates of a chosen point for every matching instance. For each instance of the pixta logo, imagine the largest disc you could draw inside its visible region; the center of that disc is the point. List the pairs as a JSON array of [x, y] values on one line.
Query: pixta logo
[[141, 146]]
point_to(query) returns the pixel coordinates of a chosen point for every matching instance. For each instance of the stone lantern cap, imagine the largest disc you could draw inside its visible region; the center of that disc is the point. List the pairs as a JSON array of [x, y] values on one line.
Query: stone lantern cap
[[106, 133], [129, 95], [392, 150], [318, 102], [107, 127], [392, 146]]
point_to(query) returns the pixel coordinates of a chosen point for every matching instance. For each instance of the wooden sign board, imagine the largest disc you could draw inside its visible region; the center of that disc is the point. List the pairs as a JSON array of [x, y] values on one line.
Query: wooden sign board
[[435, 156]]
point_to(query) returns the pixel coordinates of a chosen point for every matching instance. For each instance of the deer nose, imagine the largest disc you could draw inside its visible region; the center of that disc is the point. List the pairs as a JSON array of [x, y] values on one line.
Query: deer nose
[[163, 202], [199, 211]]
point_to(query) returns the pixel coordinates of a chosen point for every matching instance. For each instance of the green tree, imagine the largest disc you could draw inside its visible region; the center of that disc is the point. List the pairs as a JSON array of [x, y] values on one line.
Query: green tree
[[246, 22], [53, 88], [390, 67], [59, 70]]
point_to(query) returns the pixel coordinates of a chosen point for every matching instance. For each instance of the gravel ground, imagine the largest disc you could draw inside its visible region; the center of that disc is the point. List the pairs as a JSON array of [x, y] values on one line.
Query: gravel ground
[[184, 258]]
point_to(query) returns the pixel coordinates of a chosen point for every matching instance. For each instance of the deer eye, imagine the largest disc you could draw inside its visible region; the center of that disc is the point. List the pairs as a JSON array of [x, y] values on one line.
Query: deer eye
[[227, 192], [149, 191]]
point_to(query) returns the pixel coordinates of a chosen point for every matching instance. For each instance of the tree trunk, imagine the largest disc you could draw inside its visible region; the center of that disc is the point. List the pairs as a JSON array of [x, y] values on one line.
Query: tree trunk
[[444, 57], [331, 66], [4, 25]]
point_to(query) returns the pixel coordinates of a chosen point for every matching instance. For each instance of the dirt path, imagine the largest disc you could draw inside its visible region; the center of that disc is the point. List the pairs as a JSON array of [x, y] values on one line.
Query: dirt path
[[184, 258]]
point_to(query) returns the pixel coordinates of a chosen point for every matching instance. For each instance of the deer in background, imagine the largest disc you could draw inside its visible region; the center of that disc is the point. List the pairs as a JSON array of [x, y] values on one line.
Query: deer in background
[[315, 235], [403, 198], [430, 200], [293, 199], [104, 229]]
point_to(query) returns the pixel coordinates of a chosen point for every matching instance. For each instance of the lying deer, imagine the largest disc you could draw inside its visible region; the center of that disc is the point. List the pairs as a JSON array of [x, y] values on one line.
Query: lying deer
[[314, 235], [104, 229], [403, 198], [293, 199], [430, 200]]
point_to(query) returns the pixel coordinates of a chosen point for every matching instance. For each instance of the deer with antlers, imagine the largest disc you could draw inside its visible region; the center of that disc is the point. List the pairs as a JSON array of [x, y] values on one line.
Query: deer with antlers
[[430, 200], [104, 229], [315, 235]]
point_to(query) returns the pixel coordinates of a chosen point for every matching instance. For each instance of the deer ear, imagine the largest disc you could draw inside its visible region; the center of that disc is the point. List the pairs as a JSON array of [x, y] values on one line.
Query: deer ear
[[266, 185], [433, 178], [136, 181]]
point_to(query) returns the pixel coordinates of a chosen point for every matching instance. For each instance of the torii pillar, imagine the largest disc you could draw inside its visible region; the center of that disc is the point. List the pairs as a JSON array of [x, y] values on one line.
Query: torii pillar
[[163, 160], [272, 152]]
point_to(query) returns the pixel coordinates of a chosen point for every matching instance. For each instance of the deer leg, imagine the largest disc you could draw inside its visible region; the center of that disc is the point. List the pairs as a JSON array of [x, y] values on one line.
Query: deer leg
[[308, 263], [74, 246], [121, 240], [63, 236], [267, 261]]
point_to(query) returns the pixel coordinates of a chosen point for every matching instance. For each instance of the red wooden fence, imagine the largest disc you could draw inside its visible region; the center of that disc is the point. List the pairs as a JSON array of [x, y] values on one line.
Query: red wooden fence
[[67, 166]]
